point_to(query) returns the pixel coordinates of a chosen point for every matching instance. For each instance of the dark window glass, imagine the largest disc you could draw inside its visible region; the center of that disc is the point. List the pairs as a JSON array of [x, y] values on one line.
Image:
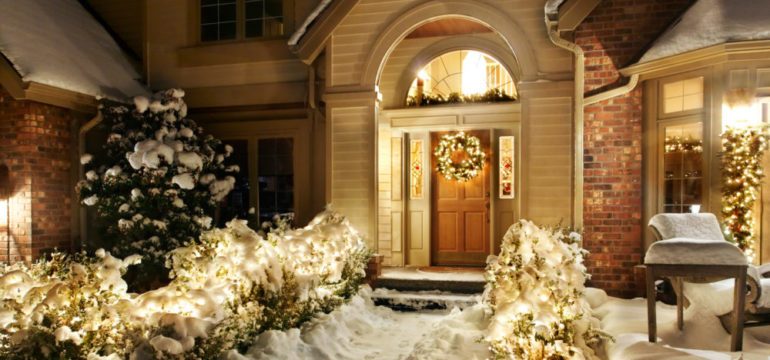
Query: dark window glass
[[276, 177], [263, 18], [218, 20], [254, 28], [236, 204]]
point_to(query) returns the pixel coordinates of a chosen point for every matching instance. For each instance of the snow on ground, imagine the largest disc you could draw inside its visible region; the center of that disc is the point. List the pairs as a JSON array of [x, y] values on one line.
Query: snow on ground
[[360, 330], [702, 338]]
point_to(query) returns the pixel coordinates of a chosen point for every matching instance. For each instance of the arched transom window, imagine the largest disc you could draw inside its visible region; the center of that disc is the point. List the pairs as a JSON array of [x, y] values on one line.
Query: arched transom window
[[461, 76]]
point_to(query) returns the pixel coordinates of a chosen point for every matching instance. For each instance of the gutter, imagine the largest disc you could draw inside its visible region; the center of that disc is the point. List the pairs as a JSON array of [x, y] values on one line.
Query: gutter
[[580, 102], [552, 26]]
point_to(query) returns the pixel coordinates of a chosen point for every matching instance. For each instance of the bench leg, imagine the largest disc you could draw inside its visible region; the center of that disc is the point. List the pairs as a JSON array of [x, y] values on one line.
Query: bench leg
[[680, 304], [739, 301], [651, 294]]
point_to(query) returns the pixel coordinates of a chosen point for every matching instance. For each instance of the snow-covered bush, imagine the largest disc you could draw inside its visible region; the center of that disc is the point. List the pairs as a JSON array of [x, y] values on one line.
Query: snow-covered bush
[[535, 289], [229, 287], [156, 184]]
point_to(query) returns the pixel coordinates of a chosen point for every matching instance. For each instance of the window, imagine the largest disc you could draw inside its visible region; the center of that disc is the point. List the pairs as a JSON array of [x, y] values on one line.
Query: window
[[236, 204], [263, 18], [218, 20], [683, 95], [239, 19], [275, 169], [683, 168], [460, 74]]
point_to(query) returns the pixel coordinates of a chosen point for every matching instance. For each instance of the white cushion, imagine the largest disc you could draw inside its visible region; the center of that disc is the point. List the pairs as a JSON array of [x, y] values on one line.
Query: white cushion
[[685, 251], [704, 226]]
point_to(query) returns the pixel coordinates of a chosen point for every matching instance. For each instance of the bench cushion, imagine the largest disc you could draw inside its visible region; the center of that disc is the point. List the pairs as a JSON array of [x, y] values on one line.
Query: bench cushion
[[704, 226], [686, 251]]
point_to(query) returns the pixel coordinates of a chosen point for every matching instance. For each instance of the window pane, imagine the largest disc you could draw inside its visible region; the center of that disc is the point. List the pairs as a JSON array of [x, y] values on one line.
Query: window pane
[[683, 167], [276, 177], [209, 15], [461, 75], [273, 8], [227, 31], [227, 13], [254, 10], [683, 95], [209, 32], [253, 28]]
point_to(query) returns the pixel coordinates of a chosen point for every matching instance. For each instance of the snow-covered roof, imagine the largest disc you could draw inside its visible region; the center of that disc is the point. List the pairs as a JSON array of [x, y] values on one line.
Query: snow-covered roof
[[58, 43], [297, 36], [712, 22]]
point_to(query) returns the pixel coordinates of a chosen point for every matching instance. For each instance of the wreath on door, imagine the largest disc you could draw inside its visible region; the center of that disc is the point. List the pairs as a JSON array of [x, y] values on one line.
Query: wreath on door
[[465, 169]]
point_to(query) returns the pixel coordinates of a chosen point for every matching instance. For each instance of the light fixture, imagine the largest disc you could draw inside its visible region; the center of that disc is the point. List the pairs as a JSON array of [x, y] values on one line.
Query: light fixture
[[741, 110]]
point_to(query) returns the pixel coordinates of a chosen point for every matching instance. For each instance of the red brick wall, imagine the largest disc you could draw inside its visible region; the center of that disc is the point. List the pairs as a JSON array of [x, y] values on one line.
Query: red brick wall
[[35, 143], [613, 36]]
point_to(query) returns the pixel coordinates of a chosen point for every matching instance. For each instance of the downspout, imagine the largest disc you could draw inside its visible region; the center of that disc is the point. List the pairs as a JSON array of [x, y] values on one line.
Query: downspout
[[552, 25], [81, 151], [577, 176]]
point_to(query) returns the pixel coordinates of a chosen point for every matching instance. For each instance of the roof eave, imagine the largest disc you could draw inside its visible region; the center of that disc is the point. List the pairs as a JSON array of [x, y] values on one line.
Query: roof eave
[[711, 55], [19, 89], [311, 44]]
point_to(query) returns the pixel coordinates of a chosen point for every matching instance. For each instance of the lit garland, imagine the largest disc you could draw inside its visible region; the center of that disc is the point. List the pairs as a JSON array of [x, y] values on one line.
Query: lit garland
[[466, 169], [535, 290], [678, 144], [741, 177]]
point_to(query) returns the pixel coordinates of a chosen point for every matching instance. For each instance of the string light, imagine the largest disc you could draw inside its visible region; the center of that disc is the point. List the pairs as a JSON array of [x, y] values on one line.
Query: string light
[[466, 169], [742, 174]]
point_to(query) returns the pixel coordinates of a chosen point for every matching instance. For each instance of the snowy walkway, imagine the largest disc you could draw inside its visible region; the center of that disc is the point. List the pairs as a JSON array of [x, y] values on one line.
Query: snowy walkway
[[360, 330]]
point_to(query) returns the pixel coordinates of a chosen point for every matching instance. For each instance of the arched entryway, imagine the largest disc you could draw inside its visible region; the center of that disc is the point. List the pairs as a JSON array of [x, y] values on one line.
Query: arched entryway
[[372, 131]]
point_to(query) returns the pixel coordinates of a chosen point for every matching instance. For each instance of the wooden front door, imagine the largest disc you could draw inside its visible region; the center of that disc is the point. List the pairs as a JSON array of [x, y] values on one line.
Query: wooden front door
[[460, 213]]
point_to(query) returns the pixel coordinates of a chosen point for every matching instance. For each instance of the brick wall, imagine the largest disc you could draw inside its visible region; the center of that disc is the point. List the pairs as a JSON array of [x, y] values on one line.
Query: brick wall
[[613, 36], [35, 143]]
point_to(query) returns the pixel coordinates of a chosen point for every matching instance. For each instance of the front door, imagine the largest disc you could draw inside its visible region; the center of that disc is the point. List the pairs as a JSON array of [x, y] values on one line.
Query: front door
[[460, 212]]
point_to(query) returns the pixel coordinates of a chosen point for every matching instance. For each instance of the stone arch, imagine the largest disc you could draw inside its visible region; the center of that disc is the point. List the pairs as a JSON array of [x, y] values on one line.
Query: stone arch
[[472, 10], [465, 42]]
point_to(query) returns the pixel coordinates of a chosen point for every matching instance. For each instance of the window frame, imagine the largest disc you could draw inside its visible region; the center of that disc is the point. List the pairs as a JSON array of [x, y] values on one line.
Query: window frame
[[240, 24], [661, 96]]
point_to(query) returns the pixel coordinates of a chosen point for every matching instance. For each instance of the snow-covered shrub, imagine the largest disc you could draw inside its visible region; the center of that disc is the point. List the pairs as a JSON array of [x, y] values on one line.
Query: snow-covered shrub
[[227, 288], [70, 307], [156, 184], [535, 289]]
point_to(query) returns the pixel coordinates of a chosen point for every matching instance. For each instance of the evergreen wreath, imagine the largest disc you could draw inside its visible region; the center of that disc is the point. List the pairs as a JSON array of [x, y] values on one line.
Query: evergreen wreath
[[467, 168]]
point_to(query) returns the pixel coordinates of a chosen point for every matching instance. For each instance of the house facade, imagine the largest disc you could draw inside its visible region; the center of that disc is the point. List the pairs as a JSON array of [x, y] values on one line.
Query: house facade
[[329, 102]]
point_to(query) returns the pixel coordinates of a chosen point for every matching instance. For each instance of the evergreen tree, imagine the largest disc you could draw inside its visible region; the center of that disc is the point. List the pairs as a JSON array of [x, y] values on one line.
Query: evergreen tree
[[156, 185]]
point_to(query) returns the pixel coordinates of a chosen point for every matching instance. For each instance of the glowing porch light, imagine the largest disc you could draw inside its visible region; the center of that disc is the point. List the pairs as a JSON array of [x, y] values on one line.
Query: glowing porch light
[[474, 78], [423, 75], [740, 110]]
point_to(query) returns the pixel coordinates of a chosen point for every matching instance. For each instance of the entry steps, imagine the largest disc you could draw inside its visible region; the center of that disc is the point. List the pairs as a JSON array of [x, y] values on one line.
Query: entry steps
[[423, 300]]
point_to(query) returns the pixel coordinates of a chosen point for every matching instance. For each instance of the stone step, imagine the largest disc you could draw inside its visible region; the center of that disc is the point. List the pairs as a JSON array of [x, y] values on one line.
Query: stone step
[[423, 300], [452, 286]]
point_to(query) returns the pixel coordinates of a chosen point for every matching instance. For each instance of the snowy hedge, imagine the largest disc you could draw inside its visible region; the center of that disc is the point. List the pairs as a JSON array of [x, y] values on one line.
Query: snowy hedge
[[228, 288], [535, 289], [156, 184]]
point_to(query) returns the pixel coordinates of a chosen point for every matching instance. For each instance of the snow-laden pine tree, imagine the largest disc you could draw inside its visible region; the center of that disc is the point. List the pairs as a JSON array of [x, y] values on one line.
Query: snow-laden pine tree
[[156, 185]]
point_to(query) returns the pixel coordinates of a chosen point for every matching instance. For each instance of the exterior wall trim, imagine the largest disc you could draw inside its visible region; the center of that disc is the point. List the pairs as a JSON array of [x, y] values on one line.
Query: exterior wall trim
[[509, 30]]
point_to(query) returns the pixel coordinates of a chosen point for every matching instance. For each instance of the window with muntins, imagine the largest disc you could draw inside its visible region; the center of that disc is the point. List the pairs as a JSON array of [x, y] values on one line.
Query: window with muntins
[[683, 95], [275, 170], [218, 20], [240, 19], [263, 18]]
